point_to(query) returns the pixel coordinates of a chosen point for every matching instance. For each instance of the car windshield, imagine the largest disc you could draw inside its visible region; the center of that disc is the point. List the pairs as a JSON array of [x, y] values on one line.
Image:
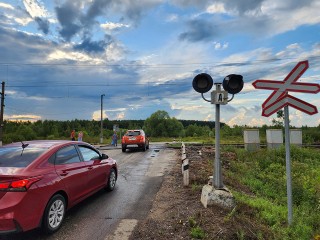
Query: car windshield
[[18, 157], [133, 133]]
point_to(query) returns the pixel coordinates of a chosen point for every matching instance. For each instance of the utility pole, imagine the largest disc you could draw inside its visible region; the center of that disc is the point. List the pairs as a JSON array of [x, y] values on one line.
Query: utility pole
[[1, 113], [101, 128]]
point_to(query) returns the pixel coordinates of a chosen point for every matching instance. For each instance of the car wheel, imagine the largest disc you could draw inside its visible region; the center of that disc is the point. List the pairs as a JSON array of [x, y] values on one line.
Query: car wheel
[[148, 146], [123, 148], [144, 147], [54, 214], [111, 180]]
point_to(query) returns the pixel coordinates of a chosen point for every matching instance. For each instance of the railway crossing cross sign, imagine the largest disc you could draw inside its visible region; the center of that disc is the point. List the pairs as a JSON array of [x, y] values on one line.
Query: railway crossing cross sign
[[280, 98]]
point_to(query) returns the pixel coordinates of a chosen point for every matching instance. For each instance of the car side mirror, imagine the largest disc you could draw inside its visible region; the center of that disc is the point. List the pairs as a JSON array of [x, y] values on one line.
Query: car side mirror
[[105, 156]]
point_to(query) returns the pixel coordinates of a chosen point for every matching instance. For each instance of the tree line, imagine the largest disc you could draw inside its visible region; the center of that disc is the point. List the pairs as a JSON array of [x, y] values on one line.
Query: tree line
[[159, 124]]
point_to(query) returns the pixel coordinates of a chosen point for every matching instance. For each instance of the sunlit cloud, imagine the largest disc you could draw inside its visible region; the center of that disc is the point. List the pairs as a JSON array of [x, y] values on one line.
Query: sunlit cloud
[[109, 26], [22, 118], [35, 9], [216, 8], [96, 115], [7, 6]]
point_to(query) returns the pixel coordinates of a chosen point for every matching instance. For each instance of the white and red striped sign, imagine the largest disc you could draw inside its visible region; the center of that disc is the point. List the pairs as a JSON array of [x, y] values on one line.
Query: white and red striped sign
[[280, 98]]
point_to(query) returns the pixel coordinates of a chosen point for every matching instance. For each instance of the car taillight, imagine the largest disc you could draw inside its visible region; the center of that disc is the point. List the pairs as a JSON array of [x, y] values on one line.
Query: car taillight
[[20, 185], [4, 185]]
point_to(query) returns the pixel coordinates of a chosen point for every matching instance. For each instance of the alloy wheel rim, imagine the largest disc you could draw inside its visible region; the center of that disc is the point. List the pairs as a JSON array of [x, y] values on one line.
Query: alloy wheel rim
[[112, 179], [56, 213]]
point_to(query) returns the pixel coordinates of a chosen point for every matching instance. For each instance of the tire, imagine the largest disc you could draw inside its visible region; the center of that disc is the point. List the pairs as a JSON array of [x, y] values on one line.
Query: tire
[[54, 214], [111, 180], [123, 148], [144, 147], [148, 146]]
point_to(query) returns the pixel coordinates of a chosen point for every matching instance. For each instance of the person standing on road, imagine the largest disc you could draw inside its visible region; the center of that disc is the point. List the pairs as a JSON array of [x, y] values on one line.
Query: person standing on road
[[73, 135], [114, 139], [80, 136]]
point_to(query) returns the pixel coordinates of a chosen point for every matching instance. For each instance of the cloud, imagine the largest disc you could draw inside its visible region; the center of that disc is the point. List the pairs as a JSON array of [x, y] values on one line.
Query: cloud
[[220, 46], [242, 6], [172, 18], [66, 55], [35, 9], [17, 46], [43, 25], [68, 16], [12, 16], [96, 115], [110, 26], [80, 19], [216, 8], [246, 117], [199, 30], [93, 46], [258, 18], [23, 118], [38, 12], [7, 6]]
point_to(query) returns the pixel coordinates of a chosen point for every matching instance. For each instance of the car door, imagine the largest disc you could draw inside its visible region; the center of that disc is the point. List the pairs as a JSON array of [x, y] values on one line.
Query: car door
[[73, 172], [98, 169]]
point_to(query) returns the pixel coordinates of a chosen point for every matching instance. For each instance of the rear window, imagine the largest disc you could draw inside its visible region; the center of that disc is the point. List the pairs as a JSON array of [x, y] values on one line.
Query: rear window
[[133, 133], [17, 157]]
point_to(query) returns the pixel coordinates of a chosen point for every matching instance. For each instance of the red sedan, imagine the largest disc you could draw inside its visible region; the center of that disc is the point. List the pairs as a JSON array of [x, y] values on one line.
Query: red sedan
[[40, 180]]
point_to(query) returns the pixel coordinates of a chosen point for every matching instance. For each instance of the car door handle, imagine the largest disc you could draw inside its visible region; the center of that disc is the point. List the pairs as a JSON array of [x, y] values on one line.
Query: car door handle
[[90, 168]]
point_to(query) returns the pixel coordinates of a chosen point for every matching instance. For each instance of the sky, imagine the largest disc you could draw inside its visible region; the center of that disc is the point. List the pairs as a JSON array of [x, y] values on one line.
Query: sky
[[60, 59]]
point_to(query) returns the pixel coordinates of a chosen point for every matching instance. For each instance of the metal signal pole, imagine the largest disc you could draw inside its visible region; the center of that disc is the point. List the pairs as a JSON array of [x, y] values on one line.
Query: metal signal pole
[[1, 113], [101, 127], [217, 181]]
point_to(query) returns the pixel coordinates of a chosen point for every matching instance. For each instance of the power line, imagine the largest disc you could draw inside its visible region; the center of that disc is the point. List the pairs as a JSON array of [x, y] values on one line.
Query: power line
[[94, 85], [136, 64]]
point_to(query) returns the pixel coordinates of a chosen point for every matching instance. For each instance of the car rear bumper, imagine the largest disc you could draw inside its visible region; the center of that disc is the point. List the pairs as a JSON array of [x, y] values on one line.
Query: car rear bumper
[[18, 213], [8, 226], [133, 145]]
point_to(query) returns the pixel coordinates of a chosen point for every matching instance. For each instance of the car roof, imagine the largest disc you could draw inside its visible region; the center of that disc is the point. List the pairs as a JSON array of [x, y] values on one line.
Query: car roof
[[39, 143]]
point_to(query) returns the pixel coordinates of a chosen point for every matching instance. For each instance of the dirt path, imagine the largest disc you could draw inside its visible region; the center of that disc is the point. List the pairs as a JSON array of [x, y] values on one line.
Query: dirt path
[[177, 212]]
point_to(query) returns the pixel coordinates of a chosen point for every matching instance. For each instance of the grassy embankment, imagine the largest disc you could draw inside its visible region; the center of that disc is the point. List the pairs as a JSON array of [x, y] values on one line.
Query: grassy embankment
[[264, 172]]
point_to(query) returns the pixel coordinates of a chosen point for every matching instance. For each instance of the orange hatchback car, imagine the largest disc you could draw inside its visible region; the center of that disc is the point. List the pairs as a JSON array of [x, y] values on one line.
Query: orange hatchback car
[[135, 139]]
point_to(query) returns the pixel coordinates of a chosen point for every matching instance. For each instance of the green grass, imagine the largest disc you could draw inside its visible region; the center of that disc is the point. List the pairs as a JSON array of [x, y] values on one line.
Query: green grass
[[264, 172], [197, 233]]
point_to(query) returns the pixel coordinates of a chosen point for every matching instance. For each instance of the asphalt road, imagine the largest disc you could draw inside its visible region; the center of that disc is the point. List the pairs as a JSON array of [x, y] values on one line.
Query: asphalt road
[[113, 215]]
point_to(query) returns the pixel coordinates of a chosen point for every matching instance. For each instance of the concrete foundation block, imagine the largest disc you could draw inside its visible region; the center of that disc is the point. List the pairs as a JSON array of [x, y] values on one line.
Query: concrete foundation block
[[221, 197]]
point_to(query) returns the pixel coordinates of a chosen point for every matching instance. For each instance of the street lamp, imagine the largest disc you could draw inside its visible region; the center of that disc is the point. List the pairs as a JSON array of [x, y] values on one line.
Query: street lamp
[[101, 128]]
